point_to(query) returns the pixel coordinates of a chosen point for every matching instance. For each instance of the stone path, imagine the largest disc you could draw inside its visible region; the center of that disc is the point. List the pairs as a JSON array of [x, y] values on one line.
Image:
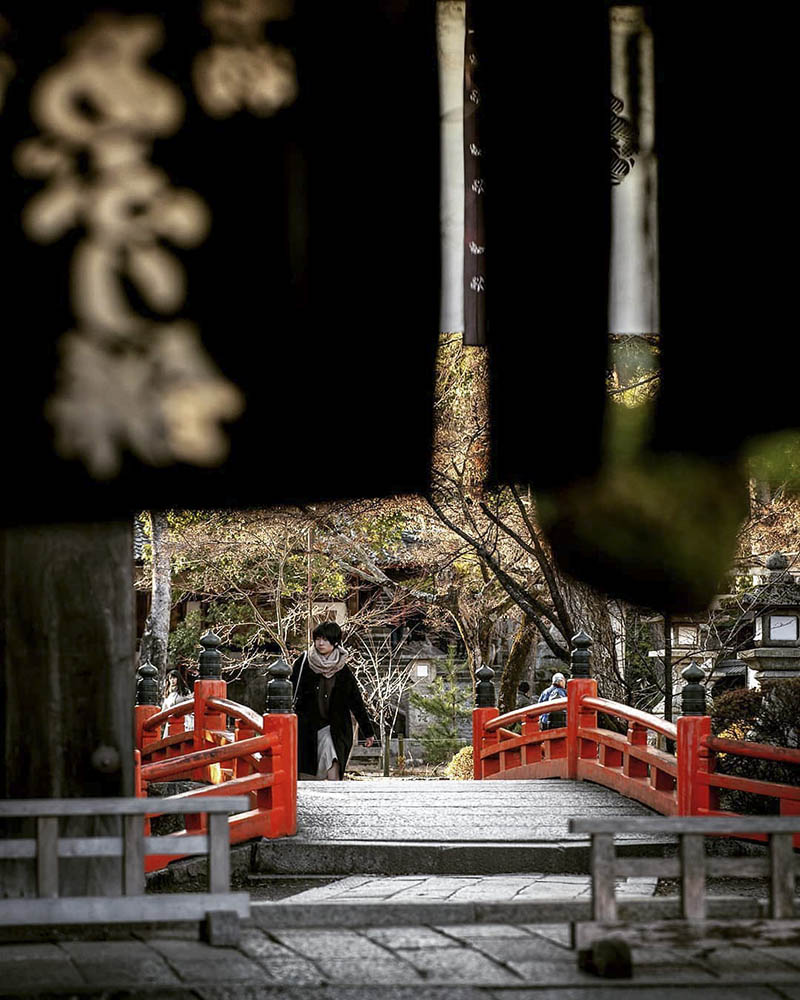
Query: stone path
[[445, 827], [454, 888], [446, 962]]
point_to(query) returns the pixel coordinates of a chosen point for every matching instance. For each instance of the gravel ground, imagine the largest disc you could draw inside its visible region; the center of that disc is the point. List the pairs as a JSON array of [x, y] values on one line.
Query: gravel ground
[[758, 887]]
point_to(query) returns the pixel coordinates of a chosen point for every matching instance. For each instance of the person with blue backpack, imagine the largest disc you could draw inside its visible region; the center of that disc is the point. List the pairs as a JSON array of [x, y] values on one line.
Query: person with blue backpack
[[557, 689]]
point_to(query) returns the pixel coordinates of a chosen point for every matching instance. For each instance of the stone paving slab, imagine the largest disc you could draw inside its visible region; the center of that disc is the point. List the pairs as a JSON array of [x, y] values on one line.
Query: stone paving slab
[[466, 887], [455, 961], [119, 963]]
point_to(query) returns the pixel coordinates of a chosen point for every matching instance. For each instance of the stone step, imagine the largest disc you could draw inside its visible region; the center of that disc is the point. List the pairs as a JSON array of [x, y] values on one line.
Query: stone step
[[409, 826], [293, 855]]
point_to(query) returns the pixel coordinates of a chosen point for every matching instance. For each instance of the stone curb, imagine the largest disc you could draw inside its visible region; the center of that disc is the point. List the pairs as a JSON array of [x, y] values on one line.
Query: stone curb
[[283, 915], [337, 857]]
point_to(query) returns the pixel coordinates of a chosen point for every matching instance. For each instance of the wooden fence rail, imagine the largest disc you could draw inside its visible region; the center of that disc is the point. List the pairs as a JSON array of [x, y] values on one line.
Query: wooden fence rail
[[692, 866], [133, 847]]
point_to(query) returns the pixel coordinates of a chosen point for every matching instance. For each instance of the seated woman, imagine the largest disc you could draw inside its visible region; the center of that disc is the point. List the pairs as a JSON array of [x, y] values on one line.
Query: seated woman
[[326, 694]]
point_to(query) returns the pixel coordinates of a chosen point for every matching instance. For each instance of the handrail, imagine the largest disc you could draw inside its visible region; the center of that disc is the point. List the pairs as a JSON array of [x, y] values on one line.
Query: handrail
[[237, 711], [668, 729], [174, 766], [174, 712], [528, 712], [745, 748]]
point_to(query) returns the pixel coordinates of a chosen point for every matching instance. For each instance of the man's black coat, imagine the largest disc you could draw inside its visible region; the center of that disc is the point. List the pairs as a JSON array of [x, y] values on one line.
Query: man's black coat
[[345, 699]]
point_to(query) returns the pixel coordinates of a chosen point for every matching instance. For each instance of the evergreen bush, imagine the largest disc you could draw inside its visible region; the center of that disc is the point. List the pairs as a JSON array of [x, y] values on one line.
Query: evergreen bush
[[446, 704]]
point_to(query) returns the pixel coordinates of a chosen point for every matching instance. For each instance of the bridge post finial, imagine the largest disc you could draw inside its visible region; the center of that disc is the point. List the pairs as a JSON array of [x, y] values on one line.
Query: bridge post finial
[[210, 661], [693, 696], [484, 689], [147, 685], [581, 657], [279, 689]]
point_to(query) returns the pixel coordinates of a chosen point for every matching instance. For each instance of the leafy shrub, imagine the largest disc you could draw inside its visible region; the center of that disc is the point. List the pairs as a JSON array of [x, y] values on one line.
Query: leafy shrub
[[734, 713], [461, 767], [771, 715]]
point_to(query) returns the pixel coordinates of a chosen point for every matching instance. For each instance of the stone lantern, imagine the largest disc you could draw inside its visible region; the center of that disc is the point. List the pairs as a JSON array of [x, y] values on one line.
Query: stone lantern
[[776, 613]]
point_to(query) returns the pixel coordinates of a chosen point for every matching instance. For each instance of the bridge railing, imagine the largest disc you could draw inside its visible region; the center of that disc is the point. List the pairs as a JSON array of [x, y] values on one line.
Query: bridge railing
[[258, 758], [682, 782]]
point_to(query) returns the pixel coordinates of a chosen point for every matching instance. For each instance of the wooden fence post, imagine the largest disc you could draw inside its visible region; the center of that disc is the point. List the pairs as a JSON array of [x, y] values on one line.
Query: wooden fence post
[[147, 704], [281, 720], [579, 686], [485, 709], [694, 726], [209, 684]]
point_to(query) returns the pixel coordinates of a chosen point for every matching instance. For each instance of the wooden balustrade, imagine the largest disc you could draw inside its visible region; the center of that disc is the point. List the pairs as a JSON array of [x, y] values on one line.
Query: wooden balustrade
[[684, 783], [260, 754], [777, 926], [219, 907]]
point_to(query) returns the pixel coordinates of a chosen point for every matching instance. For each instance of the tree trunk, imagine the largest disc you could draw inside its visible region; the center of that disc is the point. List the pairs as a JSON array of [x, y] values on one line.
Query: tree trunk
[[161, 594], [515, 666], [67, 640]]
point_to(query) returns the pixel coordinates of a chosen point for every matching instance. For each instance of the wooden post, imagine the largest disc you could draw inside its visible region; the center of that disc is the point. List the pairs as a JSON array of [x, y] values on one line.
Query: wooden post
[[281, 799], [578, 689], [632, 767], [281, 802], [531, 752], [67, 664], [480, 716], [694, 759], [485, 709], [208, 685]]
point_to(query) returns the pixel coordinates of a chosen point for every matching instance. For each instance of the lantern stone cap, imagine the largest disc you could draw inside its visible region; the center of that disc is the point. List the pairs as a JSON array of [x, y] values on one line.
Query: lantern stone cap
[[581, 640], [780, 591], [693, 674], [210, 639]]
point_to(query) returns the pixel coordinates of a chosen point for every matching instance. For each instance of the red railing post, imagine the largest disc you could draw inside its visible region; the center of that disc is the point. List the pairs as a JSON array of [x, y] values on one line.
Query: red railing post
[[632, 767], [147, 705], [485, 709], [481, 739], [532, 751], [579, 688], [208, 685], [694, 758], [279, 802], [241, 767]]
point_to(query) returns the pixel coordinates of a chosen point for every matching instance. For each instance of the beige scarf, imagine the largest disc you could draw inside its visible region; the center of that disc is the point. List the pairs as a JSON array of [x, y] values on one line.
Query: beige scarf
[[327, 665]]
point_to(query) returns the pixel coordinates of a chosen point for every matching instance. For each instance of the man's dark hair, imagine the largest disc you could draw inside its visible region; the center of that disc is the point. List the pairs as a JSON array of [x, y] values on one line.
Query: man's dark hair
[[524, 686], [329, 631]]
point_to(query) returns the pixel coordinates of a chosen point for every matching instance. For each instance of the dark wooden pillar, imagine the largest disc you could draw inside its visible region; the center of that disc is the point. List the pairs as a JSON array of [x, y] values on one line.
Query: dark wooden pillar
[[67, 675]]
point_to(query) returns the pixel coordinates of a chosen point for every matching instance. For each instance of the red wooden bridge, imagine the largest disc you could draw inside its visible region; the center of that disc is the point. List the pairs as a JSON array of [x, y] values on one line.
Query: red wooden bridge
[[258, 757], [680, 783]]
